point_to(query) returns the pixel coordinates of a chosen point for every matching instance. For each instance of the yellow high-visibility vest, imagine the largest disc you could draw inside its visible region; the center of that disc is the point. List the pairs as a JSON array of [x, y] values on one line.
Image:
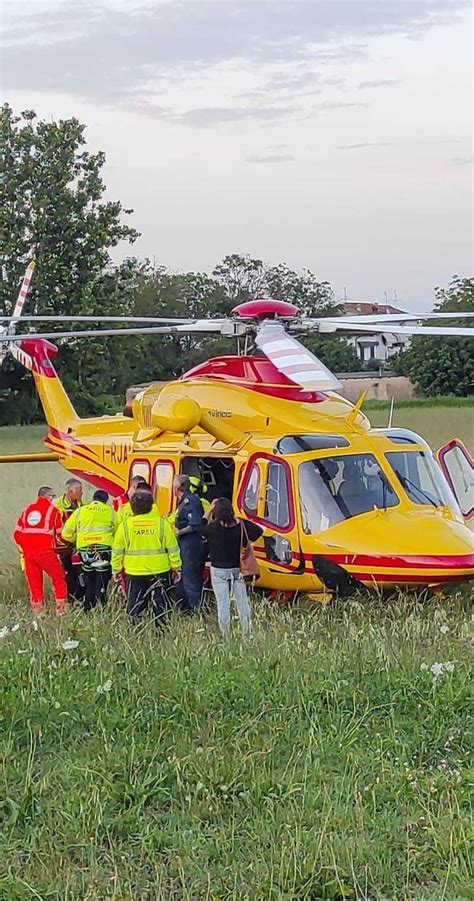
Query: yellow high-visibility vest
[[65, 506], [125, 511], [144, 545], [92, 524]]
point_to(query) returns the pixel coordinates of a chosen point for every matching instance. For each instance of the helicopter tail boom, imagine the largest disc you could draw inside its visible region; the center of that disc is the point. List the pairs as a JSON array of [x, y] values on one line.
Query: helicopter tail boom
[[37, 355]]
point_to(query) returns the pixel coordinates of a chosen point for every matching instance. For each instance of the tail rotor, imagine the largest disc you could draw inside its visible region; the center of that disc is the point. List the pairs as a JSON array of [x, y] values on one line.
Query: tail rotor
[[7, 346]]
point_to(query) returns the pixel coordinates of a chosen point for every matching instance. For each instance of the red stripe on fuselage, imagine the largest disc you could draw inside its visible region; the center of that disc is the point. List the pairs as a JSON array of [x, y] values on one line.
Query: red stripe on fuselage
[[410, 561]]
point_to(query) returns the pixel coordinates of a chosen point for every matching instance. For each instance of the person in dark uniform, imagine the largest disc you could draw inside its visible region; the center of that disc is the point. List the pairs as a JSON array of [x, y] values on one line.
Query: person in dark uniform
[[188, 531]]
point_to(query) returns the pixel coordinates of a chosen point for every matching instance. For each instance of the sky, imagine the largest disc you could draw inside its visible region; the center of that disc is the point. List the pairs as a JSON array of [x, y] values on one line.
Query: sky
[[334, 135]]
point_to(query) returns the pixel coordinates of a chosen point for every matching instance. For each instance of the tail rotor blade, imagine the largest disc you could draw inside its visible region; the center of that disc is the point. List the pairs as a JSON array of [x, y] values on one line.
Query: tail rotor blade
[[6, 346], [294, 360], [23, 294]]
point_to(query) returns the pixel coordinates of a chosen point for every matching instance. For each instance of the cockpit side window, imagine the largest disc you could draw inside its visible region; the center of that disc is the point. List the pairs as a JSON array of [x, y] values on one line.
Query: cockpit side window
[[333, 489]]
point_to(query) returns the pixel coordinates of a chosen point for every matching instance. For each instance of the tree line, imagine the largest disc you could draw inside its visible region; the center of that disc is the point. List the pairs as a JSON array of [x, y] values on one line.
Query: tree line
[[53, 204]]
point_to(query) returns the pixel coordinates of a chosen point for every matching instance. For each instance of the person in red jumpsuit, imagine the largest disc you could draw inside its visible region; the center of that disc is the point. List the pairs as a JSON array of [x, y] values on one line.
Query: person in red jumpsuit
[[35, 534]]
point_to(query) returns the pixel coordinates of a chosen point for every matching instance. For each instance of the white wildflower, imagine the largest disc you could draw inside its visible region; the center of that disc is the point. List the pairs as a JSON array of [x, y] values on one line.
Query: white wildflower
[[4, 631], [105, 688], [444, 630], [437, 669], [424, 666], [449, 666], [15, 627], [34, 625], [70, 644], [57, 705]]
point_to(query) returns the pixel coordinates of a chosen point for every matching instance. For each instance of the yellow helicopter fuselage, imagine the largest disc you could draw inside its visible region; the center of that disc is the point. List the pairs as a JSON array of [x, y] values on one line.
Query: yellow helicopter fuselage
[[342, 504]]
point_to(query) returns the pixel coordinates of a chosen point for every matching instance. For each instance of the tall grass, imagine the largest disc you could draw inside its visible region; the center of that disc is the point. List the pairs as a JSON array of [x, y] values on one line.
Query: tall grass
[[323, 760]]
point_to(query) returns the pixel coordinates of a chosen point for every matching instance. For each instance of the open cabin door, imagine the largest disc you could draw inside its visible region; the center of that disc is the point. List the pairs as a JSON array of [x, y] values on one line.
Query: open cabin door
[[266, 497], [458, 468]]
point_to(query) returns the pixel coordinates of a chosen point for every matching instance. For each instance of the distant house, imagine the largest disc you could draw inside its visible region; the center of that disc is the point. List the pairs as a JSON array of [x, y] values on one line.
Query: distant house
[[375, 347]]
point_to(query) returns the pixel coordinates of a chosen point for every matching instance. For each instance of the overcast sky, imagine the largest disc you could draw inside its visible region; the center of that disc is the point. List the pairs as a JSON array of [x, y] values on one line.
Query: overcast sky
[[329, 134]]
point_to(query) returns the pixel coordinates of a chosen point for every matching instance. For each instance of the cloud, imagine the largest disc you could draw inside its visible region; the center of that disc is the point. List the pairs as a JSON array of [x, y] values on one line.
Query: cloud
[[339, 104], [206, 116], [369, 144], [378, 83], [364, 144], [104, 51], [271, 158], [462, 160]]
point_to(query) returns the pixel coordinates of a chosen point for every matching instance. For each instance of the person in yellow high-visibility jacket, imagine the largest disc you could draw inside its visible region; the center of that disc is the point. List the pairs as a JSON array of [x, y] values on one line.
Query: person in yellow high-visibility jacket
[[146, 548], [124, 510], [91, 529]]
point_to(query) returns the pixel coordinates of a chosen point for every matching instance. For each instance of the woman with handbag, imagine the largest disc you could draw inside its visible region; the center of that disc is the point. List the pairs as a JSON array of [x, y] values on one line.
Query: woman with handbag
[[232, 558]]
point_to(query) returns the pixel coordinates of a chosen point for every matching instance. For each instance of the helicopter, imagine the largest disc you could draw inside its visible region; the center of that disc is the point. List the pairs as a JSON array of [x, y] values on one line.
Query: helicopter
[[344, 506]]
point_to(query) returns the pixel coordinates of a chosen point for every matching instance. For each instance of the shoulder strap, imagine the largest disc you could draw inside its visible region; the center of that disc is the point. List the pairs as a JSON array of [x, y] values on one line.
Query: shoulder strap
[[126, 533]]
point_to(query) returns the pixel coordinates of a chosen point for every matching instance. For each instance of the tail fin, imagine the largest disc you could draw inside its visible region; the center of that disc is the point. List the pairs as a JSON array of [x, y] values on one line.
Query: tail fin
[[37, 355]]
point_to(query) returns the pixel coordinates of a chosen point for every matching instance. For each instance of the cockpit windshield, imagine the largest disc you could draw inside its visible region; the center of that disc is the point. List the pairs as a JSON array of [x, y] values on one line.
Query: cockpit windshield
[[333, 489], [421, 478]]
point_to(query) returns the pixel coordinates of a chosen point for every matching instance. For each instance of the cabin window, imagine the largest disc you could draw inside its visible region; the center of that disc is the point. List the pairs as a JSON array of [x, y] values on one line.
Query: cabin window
[[300, 444], [163, 474], [277, 501], [252, 491], [333, 489], [140, 468]]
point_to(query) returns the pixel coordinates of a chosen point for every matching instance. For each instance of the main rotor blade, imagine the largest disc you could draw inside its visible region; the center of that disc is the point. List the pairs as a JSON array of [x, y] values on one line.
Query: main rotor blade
[[199, 327], [332, 326], [402, 317], [294, 360], [150, 319]]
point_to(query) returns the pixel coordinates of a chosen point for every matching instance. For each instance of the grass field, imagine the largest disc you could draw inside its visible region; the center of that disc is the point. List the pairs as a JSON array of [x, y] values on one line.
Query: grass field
[[326, 759], [323, 760]]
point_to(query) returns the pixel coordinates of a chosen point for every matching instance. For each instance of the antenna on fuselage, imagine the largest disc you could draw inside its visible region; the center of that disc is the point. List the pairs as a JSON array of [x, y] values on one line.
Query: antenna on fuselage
[[390, 415]]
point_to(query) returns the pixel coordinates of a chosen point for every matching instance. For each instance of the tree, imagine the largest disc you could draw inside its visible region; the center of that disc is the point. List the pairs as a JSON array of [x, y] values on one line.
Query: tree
[[53, 207], [443, 365], [313, 298], [242, 277]]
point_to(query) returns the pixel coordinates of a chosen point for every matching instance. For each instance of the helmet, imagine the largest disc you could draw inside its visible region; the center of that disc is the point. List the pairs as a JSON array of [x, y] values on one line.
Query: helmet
[[196, 486]]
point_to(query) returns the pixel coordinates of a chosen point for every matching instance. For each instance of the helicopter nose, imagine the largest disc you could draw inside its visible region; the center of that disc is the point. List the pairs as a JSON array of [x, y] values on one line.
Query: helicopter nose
[[409, 549]]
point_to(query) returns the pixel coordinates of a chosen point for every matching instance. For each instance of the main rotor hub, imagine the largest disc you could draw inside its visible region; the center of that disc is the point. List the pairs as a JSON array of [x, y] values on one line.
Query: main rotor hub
[[266, 308]]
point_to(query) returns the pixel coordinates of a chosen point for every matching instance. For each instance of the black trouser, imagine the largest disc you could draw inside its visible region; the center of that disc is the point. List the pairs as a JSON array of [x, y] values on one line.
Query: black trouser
[[192, 552], [143, 590], [96, 581], [75, 591]]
